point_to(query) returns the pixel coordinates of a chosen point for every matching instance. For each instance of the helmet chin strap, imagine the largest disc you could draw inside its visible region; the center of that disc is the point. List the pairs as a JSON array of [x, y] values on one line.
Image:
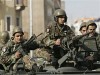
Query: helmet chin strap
[[61, 25]]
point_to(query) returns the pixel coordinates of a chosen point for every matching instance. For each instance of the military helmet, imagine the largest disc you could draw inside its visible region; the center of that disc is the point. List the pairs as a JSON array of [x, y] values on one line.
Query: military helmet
[[4, 36], [83, 24], [60, 12], [17, 30], [91, 22]]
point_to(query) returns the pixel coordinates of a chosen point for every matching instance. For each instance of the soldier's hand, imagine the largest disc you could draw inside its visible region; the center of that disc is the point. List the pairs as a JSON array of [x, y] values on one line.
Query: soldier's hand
[[17, 54], [89, 58], [26, 59], [57, 42]]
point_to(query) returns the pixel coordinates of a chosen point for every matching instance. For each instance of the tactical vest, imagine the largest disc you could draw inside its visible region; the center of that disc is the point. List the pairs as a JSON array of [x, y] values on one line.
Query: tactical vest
[[57, 32]]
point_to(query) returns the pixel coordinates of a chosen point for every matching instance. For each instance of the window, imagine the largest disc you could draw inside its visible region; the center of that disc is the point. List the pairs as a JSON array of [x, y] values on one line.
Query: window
[[17, 21], [8, 23], [21, 2], [18, 1]]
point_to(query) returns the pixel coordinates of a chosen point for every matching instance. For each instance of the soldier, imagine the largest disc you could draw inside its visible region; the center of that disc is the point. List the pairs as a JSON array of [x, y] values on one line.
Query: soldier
[[86, 56], [79, 55], [91, 27], [4, 37], [59, 32], [15, 52], [83, 28]]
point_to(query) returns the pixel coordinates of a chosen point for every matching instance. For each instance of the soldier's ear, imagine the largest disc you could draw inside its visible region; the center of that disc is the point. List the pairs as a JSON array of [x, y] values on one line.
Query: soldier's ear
[[55, 18], [65, 18], [12, 38]]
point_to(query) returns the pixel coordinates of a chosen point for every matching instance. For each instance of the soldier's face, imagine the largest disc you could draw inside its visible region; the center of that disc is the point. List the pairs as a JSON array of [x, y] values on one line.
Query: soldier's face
[[91, 29], [18, 37], [61, 19], [83, 30]]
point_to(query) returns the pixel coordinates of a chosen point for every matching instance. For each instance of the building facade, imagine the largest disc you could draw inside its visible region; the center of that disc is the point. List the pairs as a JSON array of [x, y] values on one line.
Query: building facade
[[37, 14], [10, 14], [32, 15]]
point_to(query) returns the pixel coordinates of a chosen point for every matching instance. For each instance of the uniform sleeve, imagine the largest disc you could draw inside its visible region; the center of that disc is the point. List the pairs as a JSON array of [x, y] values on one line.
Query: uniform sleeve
[[98, 41], [50, 30], [49, 27], [70, 33]]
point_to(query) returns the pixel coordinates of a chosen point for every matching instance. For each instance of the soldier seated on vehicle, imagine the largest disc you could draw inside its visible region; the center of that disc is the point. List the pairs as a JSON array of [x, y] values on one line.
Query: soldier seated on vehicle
[[43, 54], [85, 56], [14, 51], [57, 32]]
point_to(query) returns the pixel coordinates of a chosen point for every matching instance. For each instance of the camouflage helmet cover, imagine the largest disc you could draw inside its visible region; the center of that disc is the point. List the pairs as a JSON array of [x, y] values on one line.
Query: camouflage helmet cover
[[17, 30], [4, 37], [83, 24], [91, 22], [60, 12]]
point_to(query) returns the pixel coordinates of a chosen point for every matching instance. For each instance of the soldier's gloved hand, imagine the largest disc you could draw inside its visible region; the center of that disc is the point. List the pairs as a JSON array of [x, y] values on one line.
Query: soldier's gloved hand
[[57, 42], [17, 55]]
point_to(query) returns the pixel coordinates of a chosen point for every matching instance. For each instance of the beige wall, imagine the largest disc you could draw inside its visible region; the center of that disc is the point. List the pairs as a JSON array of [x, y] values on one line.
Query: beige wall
[[42, 11], [8, 9], [2, 9], [42, 14]]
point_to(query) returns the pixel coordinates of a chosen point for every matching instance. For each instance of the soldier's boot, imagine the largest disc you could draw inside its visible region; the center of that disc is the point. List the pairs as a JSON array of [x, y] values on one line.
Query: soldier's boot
[[21, 66], [34, 69], [18, 66], [40, 68]]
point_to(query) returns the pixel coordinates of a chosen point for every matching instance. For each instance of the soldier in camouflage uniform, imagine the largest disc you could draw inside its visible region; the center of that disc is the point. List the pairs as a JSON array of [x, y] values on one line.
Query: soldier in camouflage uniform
[[79, 55], [4, 37], [43, 54], [59, 33], [83, 28], [14, 51], [83, 31], [86, 58], [91, 27]]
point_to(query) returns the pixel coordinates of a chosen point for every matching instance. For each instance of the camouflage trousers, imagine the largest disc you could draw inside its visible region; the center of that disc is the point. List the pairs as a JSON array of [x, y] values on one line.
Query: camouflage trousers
[[27, 62], [7, 62], [42, 53]]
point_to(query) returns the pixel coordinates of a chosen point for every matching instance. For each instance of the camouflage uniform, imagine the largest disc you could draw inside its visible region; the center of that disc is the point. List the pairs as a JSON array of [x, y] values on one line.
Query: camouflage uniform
[[11, 48], [4, 37], [42, 56], [62, 32], [85, 58], [75, 42]]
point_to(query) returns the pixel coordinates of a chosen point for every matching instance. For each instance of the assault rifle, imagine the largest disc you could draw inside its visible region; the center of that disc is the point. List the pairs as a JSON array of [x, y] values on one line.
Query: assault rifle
[[30, 44], [80, 36], [31, 41], [69, 53]]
